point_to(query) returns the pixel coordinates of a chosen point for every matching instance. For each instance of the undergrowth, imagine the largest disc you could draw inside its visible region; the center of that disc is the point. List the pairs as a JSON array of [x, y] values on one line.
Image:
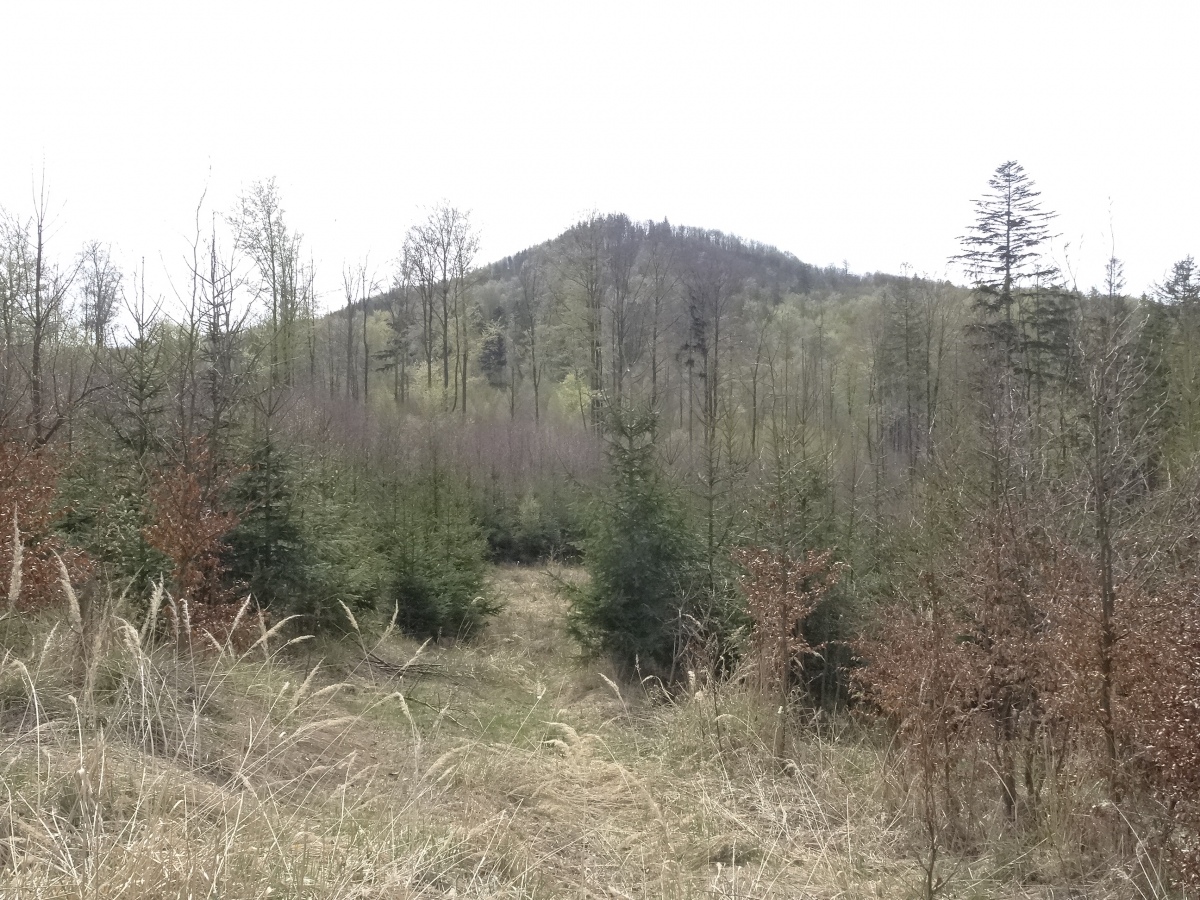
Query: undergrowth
[[136, 764]]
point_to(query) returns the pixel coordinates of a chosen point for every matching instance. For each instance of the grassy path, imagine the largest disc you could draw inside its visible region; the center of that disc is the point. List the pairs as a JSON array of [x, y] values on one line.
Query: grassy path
[[503, 769]]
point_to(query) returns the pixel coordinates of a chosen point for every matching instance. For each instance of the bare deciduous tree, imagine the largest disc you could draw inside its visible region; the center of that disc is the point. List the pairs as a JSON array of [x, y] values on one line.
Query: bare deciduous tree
[[36, 295], [582, 265], [529, 315], [441, 253], [260, 232], [101, 288]]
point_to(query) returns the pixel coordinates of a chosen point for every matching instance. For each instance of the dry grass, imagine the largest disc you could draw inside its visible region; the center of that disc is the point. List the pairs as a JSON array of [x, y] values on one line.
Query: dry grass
[[507, 769]]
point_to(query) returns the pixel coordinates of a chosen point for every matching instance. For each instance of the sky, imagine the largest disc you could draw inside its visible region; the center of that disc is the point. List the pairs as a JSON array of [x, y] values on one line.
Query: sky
[[846, 132]]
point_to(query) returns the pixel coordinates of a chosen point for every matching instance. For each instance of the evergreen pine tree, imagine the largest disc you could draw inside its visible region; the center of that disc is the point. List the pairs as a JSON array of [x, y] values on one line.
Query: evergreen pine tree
[[267, 550], [1004, 256], [437, 552], [640, 554]]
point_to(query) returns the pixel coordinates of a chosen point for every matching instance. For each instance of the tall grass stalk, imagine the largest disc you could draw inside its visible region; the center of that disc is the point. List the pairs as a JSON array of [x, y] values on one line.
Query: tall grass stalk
[[18, 555]]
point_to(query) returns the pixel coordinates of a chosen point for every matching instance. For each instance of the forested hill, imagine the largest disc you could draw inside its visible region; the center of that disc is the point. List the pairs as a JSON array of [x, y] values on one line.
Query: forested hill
[[618, 305], [774, 270]]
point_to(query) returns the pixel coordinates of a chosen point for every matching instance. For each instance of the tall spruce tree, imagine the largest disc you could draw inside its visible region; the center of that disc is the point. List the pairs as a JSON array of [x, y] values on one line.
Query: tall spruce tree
[[1179, 299], [266, 550], [1004, 255], [643, 559], [1022, 312]]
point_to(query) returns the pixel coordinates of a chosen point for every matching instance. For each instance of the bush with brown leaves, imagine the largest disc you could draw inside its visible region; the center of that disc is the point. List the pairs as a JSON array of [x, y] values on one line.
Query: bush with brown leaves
[[781, 592], [971, 666], [188, 527], [1161, 651], [28, 491]]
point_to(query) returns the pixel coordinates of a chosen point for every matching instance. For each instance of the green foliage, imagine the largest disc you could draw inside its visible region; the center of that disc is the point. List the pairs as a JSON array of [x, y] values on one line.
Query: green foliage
[[105, 510], [267, 551], [493, 355], [346, 559], [437, 566], [893, 419], [407, 544], [529, 527], [641, 555]]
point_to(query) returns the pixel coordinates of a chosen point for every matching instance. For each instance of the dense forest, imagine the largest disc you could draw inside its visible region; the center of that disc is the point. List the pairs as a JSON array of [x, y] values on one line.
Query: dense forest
[[966, 514]]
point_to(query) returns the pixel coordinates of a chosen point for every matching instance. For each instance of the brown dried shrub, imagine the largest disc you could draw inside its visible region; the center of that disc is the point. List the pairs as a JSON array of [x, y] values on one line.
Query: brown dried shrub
[[1160, 651], [781, 592], [968, 667], [188, 526], [28, 491]]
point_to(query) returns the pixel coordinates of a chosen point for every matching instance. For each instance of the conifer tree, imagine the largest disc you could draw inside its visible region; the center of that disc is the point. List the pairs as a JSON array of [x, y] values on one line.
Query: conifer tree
[[266, 550], [640, 554], [1180, 299], [1003, 253]]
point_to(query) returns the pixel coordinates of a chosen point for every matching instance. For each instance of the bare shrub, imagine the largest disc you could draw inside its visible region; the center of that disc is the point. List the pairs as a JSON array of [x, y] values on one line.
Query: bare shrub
[[28, 491], [188, 527], [781, 592], [1161, 653]]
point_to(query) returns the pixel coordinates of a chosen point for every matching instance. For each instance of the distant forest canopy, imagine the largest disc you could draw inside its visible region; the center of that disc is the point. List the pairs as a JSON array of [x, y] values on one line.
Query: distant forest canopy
[[788, 273], [632, 290]]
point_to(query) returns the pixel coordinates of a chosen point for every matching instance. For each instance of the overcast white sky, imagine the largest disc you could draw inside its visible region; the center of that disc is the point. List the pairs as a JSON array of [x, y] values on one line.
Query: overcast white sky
[[837, 131]]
